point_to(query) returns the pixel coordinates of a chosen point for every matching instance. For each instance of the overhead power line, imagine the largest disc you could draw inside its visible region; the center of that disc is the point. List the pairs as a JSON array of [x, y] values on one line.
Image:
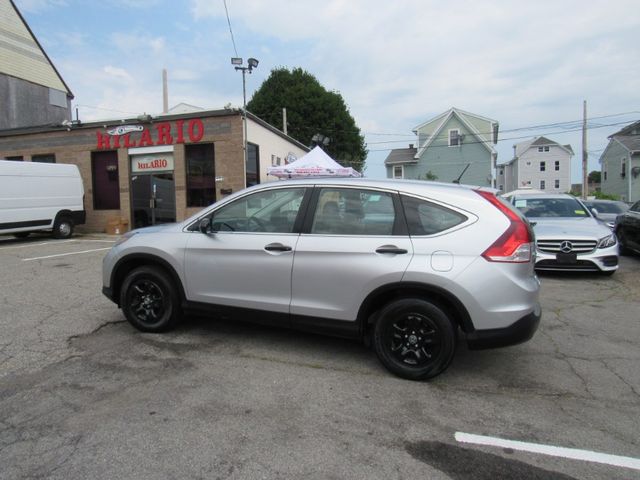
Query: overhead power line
[[226, 11]]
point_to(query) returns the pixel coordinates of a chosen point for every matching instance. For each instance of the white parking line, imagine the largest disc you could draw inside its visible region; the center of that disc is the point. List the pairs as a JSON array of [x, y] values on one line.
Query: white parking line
[[65, 254], [572, 453], [50, 242]]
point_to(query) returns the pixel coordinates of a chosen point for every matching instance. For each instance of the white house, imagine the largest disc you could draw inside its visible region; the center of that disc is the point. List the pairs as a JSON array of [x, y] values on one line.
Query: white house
[[538, 163]]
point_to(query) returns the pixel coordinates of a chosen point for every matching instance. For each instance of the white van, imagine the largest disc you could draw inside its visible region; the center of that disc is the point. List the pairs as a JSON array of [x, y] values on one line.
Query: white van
[[40, 196]]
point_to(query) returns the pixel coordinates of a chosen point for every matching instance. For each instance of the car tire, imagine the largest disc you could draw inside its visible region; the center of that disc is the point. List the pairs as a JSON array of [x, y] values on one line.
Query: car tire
[[621, 243], [149, 300], [414, 339], [63, 227]]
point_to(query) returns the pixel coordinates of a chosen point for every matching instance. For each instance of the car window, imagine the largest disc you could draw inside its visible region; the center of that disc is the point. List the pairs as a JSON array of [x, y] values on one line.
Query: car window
[[551, 207], [347, 211], [269, 211], [603, 207], [635, 207], [428, 218]]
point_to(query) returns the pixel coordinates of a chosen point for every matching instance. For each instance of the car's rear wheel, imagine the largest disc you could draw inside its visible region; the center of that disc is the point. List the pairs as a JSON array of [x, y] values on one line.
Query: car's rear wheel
[[415, 339], [63, 227], [149, 300]]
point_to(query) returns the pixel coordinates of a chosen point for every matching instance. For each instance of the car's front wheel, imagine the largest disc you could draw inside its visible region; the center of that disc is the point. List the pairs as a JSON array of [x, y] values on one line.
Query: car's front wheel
[[415, 339], [149, 300]]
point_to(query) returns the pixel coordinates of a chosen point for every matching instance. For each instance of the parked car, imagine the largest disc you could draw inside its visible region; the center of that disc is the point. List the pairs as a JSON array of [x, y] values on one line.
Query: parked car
[[403, 265], [568, 236], [627, 229], [606, 210]]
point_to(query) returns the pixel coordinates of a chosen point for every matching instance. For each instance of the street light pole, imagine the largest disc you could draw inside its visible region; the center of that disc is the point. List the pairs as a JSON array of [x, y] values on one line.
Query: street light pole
[[251, 64]]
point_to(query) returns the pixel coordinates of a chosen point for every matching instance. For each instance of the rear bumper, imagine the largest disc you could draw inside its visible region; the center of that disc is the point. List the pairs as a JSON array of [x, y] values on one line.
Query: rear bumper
[[518, 332]]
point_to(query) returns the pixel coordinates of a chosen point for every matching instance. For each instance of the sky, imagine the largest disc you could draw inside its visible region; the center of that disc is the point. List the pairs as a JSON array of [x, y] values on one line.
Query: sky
[[528, 65]]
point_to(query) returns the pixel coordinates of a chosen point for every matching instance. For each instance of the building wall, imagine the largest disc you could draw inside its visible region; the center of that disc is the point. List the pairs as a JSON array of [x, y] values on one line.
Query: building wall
[[447, 163], [626, 187], [75, 147], [27, 104], [271, 145], [529, 173]]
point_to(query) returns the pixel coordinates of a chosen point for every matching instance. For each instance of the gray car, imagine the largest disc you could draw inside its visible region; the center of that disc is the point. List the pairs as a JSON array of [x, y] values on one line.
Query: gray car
[[568, 235], [402, 265]]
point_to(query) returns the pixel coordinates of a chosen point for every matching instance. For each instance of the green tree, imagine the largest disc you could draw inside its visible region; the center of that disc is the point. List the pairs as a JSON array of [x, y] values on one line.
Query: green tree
[[311, 110], [594, 176]]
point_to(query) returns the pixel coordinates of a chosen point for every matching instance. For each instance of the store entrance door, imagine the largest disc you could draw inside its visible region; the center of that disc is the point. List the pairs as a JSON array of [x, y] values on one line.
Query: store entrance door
[[153, 199]]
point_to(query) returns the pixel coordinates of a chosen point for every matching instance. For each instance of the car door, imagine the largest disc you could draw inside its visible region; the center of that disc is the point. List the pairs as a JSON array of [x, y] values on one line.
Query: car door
[[352, 243], [246, 257], [631, 225]]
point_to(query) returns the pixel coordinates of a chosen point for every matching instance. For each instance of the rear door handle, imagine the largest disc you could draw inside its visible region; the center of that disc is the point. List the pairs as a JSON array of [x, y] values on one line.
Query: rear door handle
[[391, 249], [277, 247]]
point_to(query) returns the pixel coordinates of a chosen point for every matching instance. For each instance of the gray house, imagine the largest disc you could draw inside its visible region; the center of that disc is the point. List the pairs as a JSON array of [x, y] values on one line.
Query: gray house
[[538, 163], [32, 92], [620, 164], [454, 145]]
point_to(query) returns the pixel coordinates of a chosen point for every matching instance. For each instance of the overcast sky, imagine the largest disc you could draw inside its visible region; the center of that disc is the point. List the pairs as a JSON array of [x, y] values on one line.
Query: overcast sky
[[397, 64]]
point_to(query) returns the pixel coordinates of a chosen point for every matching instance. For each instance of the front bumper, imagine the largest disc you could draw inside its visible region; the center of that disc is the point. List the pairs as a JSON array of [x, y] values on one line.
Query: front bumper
[[599, 260], [518, 332]]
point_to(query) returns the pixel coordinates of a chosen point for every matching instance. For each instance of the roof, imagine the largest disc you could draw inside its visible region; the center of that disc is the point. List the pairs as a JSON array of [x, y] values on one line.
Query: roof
[[628, 130], [165, 117], [399, 156], [628, 137], [522, 147], [461, 115], [21, 55]]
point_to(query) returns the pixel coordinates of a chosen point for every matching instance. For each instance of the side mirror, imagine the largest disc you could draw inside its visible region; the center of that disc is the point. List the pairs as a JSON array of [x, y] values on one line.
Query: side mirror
[[595, 212], [204, 225]]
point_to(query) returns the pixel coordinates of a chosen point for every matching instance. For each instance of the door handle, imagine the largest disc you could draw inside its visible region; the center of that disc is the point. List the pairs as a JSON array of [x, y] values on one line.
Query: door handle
[[391, 249], [277, 247]]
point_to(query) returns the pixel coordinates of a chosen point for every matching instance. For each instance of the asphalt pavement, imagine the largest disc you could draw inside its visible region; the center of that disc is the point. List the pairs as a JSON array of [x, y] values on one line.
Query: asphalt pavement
[[84, 395]]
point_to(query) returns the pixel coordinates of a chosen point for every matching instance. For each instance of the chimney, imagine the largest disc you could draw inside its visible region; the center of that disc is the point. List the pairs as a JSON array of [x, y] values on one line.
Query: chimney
[[165, 92]]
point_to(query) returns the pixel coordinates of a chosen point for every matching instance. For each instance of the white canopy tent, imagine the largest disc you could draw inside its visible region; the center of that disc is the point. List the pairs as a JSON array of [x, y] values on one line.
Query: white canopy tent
[[316, 163]]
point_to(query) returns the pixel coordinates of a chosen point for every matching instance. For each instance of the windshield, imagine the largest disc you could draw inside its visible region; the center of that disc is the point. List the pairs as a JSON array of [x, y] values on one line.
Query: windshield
[[551, 208]]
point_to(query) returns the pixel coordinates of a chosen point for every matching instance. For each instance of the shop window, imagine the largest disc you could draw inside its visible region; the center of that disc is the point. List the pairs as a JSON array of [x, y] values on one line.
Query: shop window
[[201, 179], [46, 158], [15, 158], [105, 180], [253, 165]]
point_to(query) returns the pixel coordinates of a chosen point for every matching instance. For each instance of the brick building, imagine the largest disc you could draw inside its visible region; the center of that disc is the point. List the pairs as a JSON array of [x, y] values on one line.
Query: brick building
[[154, 170]]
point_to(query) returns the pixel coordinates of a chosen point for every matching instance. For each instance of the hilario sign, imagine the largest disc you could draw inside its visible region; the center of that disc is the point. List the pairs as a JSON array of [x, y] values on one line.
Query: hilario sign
[[157, 162], [163, 133]]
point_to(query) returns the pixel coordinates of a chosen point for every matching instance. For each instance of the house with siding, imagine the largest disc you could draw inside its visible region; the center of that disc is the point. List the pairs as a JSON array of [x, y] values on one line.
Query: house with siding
[[538, 163], [454, 145], [32, 92], [620, 164]]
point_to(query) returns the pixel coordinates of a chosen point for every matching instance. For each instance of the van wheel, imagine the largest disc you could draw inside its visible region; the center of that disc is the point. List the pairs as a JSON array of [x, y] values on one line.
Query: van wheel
[[63, 227], [149, 300], [415, 339]]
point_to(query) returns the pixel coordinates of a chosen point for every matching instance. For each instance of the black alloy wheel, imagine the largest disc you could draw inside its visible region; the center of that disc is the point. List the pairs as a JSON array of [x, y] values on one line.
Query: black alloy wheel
[[414, 339], [149, 301]]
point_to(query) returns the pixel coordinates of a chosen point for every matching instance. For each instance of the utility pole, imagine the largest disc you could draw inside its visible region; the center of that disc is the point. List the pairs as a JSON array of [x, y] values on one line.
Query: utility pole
[[585, 155], [284, 120]]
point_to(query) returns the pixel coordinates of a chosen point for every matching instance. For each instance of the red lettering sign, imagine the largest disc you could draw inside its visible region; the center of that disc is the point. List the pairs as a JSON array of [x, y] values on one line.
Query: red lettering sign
[[195, 133]]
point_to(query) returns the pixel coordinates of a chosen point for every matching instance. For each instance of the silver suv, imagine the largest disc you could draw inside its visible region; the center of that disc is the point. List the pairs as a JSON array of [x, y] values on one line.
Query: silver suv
[[403, 265]]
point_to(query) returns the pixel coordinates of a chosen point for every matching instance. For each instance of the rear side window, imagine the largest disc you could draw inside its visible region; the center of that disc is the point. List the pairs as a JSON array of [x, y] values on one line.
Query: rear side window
[[427, 218]]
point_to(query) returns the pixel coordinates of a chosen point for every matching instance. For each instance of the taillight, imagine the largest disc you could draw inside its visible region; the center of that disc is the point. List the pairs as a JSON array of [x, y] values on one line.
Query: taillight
[[516, 243]]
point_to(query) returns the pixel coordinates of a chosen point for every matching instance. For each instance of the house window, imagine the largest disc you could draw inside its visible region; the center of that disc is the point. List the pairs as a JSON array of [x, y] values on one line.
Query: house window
[[201, 180], [454, 138], [253, 165], [46, 158], [557, 183], [501, 188], [398, 171], [543, 166], [273, 160], [604, 172], [557, 165], [105, 180], [501, 171], [542, 184], [623, 172], [543, 149]]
